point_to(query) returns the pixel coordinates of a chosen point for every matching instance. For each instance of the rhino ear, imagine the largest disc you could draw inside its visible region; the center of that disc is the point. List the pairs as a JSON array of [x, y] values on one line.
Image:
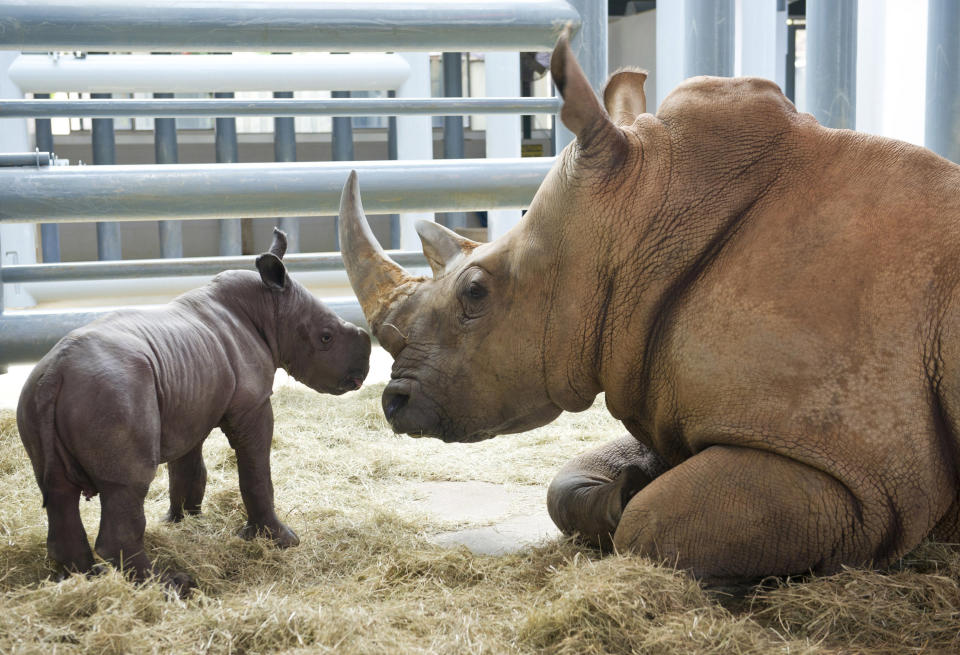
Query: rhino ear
[[442, 246], [582, 112], [624, 96], [272, 271]]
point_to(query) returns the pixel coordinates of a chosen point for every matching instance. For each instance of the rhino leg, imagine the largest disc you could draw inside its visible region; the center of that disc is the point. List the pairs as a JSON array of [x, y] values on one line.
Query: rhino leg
[[67, 543], [588, 495], [250, 435], [733, 513], [120, 540], [188, 481]]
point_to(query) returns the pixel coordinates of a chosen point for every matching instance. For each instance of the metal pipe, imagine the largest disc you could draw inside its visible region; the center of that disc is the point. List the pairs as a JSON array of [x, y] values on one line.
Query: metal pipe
[[109, 245], [165, 150], [253, 25], [392, 155], [943, 79], [211, 107], [453, 125], [342, 133], [27, 336], [182, 267], [285, 149], [832, 62], [49, 232], [709, 38], [231, 229], [199, 73], [36, 158], [174, 192]]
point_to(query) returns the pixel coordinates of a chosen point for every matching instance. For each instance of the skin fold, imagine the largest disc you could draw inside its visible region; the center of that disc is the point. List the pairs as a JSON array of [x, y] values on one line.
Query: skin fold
[[114, 399], [768, 305]]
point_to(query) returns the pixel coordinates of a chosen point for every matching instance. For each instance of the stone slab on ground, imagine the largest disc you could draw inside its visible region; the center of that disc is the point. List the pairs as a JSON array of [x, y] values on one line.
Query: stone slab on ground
[[493, 519]]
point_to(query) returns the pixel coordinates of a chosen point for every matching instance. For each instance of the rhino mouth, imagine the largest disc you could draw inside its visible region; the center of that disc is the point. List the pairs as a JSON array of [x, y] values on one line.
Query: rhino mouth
[[396, 397]]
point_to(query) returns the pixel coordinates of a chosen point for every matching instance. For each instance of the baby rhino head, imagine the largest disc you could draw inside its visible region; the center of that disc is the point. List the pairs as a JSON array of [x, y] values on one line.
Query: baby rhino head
[[316, 346]]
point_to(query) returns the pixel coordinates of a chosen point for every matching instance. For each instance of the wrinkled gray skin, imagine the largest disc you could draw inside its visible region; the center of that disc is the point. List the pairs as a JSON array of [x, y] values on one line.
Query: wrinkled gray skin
[[115, 398], [769, 306]]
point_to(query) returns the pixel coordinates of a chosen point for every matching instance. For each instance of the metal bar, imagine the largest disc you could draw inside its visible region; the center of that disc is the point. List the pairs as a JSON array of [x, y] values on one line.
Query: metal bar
[[204, 73], [3, 366], [211, 107], [832, 62], [36, 158], [27, 336], [453, 125], [109, 245], [392, 155], [709, 38], [231, 229], [342, 144], [165, 150], [285, 149], [184, 191], [943, 79], [182, 267], [49, 232], [253, 25]]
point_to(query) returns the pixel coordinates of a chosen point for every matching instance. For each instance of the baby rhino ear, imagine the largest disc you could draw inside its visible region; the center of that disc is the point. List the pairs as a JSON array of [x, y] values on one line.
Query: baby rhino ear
[[272, 271]]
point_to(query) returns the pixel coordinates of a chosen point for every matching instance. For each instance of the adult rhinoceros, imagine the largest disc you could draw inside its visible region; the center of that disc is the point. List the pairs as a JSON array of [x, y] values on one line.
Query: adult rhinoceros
[[769, 306]]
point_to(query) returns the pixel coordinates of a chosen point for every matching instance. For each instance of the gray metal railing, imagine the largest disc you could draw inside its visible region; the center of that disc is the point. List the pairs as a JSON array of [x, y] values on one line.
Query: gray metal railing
[[173, 192]]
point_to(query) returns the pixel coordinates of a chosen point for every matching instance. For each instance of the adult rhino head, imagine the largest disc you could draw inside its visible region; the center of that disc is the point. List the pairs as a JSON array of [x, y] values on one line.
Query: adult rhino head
[[505, 335]]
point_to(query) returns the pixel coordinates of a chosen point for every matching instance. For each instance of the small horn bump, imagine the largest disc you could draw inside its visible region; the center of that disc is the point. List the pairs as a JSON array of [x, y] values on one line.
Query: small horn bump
[[279, 245]]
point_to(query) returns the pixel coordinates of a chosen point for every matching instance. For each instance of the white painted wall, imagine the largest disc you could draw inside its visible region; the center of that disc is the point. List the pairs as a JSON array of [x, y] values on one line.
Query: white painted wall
[[414, 138]]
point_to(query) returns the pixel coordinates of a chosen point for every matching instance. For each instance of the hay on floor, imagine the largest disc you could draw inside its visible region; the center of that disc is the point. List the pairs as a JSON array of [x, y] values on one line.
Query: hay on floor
[[367, 579]]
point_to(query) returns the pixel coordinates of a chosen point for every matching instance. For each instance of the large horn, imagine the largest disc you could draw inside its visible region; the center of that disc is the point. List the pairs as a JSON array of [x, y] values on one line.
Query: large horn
[[372, 274]]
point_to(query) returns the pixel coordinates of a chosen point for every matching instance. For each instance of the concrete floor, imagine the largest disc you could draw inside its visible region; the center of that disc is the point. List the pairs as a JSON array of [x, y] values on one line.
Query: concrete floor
[[491, 519]]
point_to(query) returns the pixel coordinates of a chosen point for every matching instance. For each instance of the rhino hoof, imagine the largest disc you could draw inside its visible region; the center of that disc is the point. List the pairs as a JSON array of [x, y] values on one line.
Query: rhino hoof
[[282, 536], [179, 583]]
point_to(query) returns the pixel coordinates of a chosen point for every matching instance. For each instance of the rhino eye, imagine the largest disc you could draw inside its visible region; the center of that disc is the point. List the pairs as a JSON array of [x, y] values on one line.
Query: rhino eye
[[476, 291], [325, 337]]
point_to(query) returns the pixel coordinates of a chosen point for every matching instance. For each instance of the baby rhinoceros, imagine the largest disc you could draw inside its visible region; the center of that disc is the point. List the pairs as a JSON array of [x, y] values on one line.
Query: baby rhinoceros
[[117, 397]]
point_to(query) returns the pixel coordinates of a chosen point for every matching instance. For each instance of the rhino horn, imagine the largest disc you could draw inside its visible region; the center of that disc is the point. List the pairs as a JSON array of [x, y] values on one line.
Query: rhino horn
[[441, 246], [582, 112], [279, 246], [372, 274]]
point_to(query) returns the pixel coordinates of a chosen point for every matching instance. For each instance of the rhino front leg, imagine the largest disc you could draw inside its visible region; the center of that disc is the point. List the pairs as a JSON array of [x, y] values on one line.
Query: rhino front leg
[[588, 495], [250, 435], [188, 481], [736, 514]]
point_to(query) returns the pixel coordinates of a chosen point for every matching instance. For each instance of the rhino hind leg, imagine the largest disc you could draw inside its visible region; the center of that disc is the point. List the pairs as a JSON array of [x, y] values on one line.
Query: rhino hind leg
[[733, 514], [188, 482], [67, 542], [120, 540], [588, 495]]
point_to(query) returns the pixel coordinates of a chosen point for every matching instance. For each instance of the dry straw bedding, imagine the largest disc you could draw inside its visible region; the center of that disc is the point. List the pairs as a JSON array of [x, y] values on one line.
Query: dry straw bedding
[[366, 579]]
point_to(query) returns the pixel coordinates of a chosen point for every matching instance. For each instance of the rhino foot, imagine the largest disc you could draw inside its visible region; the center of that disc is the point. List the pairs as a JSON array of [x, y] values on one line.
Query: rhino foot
[[281, 535]]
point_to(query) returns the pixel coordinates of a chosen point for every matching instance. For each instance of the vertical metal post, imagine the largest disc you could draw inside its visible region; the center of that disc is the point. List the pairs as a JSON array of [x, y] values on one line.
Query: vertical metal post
[[342, 138], [285, 149], [589, 45], [392, 155], [105, 152], [790, 85], [708, 38], [942, 129], [3, 367], [165, 150], [231, 240], [832, 62], [453, 125], [49, 232]]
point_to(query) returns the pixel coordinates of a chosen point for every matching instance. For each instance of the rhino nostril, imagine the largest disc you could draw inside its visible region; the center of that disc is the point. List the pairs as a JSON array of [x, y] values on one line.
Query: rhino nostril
[[394, 402]]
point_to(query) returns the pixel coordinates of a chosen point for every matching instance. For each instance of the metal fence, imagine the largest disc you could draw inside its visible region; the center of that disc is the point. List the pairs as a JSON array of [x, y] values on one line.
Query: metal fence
[[172, 192]]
